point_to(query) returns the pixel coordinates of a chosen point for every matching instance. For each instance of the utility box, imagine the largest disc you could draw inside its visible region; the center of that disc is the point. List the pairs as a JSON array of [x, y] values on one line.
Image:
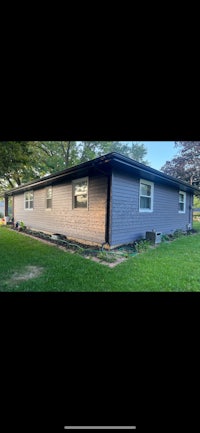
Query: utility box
[[154, 237]]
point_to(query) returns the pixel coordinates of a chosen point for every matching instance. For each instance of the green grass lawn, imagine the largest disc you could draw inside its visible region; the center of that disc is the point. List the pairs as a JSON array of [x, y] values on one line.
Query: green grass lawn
[[173, 266]]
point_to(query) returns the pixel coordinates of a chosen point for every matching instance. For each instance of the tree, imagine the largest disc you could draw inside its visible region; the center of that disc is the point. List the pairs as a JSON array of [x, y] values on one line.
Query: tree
[[186, 165], [20, 162], [190, 149], [23, 161], [92, 149], [53, 156], [15, 158], [138, 152], [196, 202]]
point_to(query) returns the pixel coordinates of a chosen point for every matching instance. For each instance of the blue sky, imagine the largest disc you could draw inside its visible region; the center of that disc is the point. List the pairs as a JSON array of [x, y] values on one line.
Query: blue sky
[[158, 152]]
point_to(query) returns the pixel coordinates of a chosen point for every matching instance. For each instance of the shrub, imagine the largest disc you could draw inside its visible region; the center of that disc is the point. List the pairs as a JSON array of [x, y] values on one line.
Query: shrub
[[22, 225], [165, 238], [178, 234], [1, 215], [141, 246]]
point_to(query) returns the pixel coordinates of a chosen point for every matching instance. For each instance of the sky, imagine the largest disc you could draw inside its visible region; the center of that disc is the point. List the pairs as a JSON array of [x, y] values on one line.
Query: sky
[[158, 152]]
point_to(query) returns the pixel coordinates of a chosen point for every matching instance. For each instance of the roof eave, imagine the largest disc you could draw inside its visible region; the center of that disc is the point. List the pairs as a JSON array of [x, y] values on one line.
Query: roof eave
[[111, 159], [151, 173]]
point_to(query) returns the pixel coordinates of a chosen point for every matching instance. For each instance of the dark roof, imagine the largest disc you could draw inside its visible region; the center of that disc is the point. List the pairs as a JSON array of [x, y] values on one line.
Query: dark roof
[[104, 165]]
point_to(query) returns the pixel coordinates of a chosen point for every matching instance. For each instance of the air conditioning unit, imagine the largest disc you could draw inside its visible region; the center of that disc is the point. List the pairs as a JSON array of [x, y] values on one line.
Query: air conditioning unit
[[154, 237]]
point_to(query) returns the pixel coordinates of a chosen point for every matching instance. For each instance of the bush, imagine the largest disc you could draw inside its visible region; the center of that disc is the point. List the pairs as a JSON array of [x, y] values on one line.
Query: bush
[[20, 226], [178, 234], [1, 215], [165, 238], [141, 246]]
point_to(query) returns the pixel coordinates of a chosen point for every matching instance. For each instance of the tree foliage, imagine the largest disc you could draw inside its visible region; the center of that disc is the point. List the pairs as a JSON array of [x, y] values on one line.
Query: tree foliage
[[196, 202], [190, 149], [23, 161], [186, 165], [135, 151], [15, 158]]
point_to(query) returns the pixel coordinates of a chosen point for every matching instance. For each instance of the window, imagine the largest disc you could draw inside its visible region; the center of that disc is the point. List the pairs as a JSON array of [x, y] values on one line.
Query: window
[[49, 192], [182, 202], [28, 200], [80, 193], [146, 196]]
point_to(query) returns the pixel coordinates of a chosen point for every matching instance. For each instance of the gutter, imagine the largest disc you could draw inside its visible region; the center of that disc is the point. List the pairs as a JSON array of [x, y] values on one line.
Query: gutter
[[110, 157], [134, 164], [59, 175]]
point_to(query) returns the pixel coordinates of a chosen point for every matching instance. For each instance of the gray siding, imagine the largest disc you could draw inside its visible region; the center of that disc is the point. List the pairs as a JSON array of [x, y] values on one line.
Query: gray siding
[[128, 224], [84, 224]]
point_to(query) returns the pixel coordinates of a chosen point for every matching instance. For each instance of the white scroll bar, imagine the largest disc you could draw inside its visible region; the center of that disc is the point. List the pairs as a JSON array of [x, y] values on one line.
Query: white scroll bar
[[96, 427]]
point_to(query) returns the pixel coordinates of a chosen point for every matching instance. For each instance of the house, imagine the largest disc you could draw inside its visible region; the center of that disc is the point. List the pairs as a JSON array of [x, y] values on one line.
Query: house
[[1, 206], [110, 200]]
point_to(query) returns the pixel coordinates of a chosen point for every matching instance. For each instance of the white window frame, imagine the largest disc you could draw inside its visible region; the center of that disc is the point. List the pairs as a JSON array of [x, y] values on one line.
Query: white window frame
[[184, 201], [49, 208], [146, 182], [28, 201], [74, 182]]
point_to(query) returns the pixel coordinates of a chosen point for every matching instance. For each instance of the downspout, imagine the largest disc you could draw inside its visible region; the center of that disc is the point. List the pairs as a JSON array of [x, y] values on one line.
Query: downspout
[[107, 221], [107, 230], [190, 212], [5, 205], [13, 208], [190, 207]]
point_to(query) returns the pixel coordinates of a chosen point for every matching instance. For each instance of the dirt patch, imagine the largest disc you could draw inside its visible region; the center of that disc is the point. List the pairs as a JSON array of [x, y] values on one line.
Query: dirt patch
[[28, 273], [110, 265]]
